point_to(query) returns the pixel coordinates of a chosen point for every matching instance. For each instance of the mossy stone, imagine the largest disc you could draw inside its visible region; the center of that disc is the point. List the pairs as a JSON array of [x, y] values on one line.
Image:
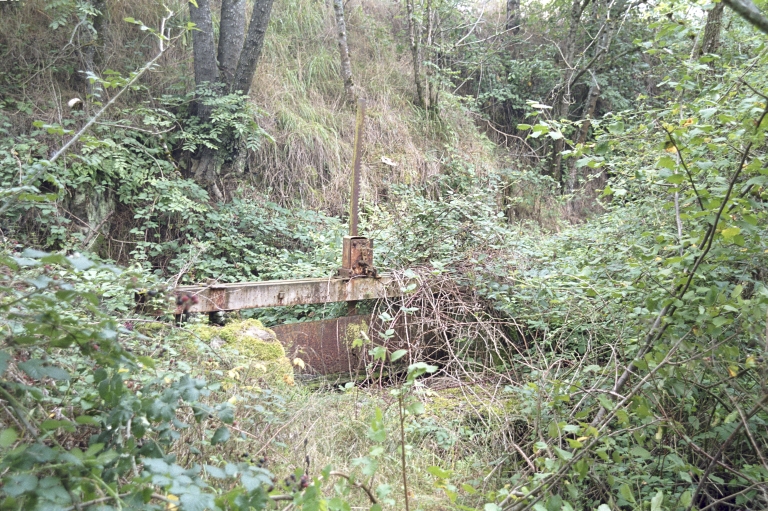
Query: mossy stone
[[250, 343]]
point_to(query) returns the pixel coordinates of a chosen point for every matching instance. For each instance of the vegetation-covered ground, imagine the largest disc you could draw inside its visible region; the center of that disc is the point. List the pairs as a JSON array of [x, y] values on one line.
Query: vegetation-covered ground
[[577, 187]]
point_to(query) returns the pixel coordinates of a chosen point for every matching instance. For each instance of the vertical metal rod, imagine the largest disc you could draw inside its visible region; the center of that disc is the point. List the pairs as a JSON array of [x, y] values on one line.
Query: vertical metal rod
[[355, 199]]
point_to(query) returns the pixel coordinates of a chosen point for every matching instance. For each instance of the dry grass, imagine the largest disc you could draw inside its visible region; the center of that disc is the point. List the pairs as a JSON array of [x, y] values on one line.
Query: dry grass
[[331, 429], [298, 85]]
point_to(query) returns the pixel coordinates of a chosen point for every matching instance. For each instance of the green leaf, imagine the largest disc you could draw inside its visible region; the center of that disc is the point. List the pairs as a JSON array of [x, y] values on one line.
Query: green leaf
[[640, 452], [215, 472], [7, 437], [227, 414], [605, 402], [378, 353], [416, 408], [556, 135], [220, 436], [87, 419], [491, 507], [37, 370], [563, 454], [147, 362], [675, 179], [439, 472], [730, 232], [197, 502], [686, 498], [34, 254], [616, 128], [51, 424], [418, 369], [667, 163], [626, 492], [19, 484], [397, 355], [80, 263], [657, 500]]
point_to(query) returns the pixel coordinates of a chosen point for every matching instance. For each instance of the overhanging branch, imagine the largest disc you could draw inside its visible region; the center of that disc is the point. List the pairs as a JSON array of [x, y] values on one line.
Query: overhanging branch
[[749, 11]]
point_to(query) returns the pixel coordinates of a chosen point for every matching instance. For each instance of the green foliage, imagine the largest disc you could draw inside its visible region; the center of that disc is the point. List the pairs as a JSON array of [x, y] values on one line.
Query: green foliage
[[92, 417], [632, 367]]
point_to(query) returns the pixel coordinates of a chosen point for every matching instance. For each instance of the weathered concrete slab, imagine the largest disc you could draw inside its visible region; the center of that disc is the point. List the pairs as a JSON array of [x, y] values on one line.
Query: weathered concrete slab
[[278, 293]]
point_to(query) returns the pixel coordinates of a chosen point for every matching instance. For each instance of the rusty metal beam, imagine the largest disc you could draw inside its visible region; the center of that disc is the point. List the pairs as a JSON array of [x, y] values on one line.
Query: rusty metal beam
[[278, 293]]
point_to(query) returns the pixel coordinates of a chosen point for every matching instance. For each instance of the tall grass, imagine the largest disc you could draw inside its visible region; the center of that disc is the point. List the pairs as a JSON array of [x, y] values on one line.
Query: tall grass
[[299, 86]]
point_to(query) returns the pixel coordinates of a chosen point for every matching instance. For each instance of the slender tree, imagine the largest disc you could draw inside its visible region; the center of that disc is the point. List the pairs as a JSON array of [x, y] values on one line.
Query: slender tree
[[605, 38], [414, 35], [346, 65], [562, 102]]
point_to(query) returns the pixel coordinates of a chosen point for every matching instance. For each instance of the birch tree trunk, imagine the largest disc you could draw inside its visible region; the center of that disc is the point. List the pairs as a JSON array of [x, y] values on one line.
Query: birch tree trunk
[[346, 65], [94, 43], [430, 98]]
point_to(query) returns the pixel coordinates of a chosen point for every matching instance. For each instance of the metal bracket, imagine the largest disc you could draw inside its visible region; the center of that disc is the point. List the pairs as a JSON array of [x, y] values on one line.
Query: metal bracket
[[357, 258]]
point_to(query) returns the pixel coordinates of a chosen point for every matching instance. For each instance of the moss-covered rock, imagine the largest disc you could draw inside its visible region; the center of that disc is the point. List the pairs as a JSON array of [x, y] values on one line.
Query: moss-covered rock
[[251, 345]]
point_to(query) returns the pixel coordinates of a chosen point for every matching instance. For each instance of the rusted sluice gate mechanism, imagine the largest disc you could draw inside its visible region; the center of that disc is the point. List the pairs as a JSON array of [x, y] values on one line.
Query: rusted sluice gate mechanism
[[324, 345]]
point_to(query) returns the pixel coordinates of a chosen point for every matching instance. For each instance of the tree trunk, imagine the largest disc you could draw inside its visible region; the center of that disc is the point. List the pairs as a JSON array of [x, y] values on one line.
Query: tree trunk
[[252, 47], [346, 65], [513, 16], [206, 73], [203, 46], [711, 41], [238, 55], [414, 33], [94, 43], [231, 37], [601, 51], [562, 102], [429, 81], [581, 137]]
